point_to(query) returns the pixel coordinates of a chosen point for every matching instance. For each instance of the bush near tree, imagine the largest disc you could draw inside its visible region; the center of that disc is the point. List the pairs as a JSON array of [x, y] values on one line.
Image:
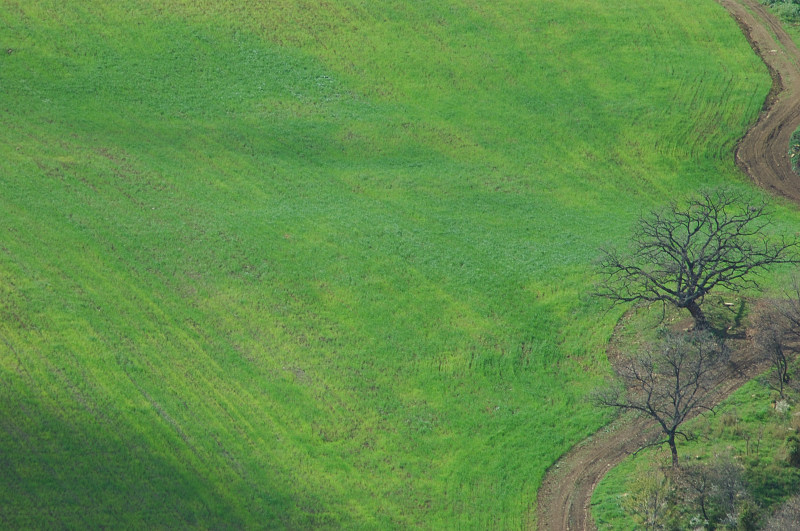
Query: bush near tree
[[789, 10]]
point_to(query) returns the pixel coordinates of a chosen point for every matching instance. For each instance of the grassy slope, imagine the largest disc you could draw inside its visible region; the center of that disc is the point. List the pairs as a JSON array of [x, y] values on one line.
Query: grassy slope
[[299, 264]]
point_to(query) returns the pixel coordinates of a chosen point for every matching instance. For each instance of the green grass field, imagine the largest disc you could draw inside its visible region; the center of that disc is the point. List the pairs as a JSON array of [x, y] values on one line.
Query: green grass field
[[301, 265]]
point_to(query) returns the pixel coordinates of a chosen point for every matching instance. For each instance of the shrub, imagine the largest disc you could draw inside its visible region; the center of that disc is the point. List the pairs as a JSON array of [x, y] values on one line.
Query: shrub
[[788, 10], [794, 150], [793, 448]]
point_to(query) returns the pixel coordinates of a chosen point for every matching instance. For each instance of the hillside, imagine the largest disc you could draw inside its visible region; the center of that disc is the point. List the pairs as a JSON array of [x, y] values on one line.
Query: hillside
[[303, 265]]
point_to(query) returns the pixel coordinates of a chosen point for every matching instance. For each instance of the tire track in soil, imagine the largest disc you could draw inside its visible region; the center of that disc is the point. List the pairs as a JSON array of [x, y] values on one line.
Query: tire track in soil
[[564, 498]]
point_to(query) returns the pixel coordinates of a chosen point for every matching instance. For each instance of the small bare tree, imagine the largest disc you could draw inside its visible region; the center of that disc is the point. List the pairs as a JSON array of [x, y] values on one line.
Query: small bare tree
[[698, 482], [680, 254], [717, 487], [669, 382], [788, 310], [728, 489], [773, 328]]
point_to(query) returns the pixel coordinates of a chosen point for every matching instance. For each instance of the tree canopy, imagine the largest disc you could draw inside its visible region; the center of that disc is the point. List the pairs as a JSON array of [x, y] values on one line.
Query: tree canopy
[[681, 253], [669, 382]]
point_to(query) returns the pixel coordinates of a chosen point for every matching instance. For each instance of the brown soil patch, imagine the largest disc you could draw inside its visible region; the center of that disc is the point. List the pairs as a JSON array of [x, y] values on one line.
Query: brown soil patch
[[565, 495]]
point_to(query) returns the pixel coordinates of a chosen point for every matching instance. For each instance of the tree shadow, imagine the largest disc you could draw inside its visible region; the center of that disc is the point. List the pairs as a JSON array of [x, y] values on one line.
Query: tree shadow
[[726, 319]]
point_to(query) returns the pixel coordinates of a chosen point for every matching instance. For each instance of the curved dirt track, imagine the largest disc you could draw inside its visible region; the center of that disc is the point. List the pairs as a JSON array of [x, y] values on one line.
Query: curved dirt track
[[565, 495], [762, 153]]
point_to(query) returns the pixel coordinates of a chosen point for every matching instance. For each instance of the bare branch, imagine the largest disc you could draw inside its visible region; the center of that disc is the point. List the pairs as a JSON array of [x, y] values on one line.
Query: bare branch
[[668, 382], [682, 253]]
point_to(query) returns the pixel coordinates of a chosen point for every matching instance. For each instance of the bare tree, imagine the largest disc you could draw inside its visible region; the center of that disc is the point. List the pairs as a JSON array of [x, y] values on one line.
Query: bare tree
[[697, 480], [789, 311], [717, 487], [773, 327], [682, 253], [728, 489], [669, 382]]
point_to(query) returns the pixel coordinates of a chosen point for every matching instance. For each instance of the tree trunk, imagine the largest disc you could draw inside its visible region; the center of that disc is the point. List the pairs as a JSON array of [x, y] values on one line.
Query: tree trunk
[[674, 449], [782, 366], [703, 507], [700, 322]]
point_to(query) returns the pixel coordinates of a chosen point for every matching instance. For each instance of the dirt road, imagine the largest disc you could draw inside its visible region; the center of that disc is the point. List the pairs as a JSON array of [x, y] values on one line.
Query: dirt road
[[762, 153], [564, 497]]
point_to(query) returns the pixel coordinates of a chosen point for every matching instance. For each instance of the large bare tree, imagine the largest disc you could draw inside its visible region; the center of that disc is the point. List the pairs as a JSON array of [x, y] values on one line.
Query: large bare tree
[[681, 253], [669, 382]]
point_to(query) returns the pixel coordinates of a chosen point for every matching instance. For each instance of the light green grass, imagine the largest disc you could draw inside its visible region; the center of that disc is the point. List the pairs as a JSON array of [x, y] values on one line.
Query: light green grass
[[327, 265]]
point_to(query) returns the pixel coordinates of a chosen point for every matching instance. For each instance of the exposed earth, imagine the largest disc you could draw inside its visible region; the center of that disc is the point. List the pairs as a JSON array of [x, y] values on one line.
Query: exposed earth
[[763, 152], [565, 495]]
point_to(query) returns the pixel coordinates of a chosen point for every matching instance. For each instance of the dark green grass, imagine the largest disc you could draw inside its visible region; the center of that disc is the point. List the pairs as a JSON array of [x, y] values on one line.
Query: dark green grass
[[298, 265]]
